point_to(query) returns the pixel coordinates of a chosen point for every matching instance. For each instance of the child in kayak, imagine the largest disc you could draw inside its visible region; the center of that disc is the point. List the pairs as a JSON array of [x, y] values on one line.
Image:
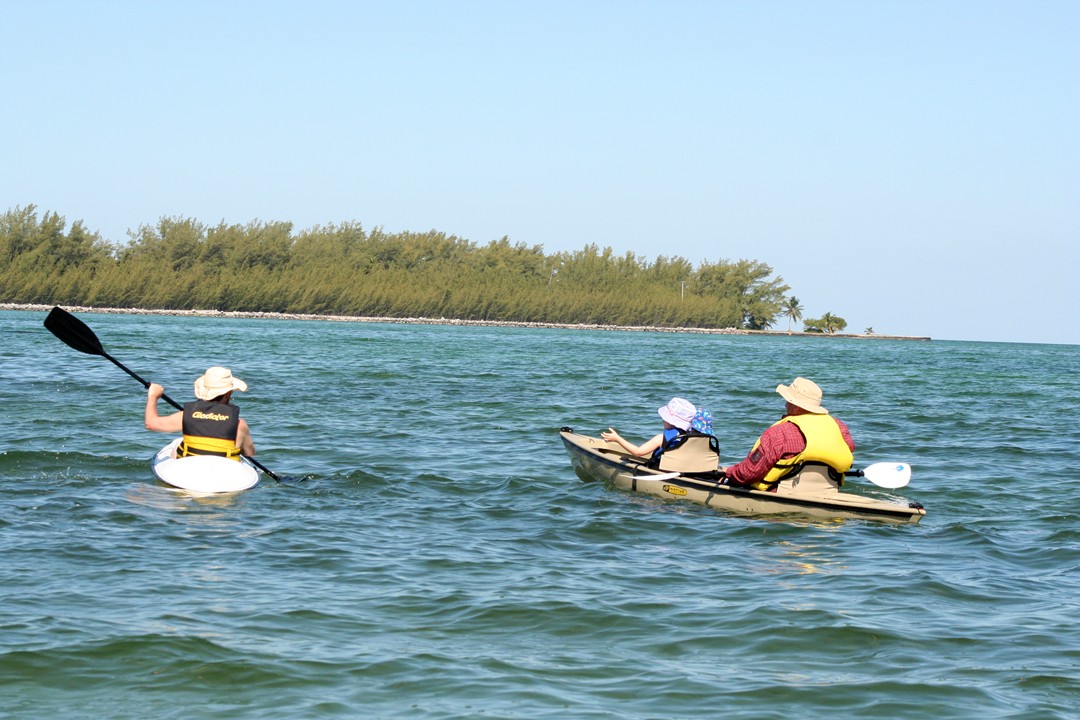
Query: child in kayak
[[677, 415]]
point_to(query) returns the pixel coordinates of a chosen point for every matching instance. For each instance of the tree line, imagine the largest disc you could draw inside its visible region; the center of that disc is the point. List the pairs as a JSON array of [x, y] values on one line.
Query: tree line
[[180, 263]]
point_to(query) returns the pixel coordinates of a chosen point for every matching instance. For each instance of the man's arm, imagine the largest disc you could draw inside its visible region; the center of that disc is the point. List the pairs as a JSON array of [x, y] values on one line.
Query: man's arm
[[846, 433], [243, 439], [776, 442], [170, 423]]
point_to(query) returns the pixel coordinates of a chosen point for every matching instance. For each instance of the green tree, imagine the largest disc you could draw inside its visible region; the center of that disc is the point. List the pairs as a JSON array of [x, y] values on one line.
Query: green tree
[[793, 310], [827, 323], [746, 294], [41, 261], [180, 263]]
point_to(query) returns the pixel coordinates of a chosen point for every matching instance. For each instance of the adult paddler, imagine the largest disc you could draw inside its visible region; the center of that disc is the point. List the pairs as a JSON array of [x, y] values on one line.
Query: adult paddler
[[806, 433], [211, 424]]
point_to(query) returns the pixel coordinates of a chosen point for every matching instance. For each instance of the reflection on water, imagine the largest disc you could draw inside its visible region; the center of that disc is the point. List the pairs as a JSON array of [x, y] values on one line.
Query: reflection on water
[[163, 497], [806, 558]]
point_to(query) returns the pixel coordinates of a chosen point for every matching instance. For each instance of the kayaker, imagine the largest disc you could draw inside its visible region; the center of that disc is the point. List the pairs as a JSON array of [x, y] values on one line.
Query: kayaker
[[211, 424], [806, 433], [677, 416]]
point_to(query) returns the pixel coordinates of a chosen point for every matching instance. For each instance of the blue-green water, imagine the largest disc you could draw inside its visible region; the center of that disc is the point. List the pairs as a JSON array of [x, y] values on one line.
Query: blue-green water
[[440, 559]]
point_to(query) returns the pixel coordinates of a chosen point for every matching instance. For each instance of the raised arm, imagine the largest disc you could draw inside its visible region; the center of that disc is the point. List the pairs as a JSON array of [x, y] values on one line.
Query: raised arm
[[169, 423]]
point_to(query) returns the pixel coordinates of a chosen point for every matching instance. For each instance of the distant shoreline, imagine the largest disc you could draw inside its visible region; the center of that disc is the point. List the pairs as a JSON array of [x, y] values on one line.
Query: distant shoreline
[[448, 321]]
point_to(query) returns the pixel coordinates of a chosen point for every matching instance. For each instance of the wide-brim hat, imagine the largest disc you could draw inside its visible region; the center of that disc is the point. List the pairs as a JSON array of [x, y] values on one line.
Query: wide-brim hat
[[803, 393], [678, 413], [217, 381]]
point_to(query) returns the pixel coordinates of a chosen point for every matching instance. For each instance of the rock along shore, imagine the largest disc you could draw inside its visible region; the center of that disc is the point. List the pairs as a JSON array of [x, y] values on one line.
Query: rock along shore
[[442, 321]]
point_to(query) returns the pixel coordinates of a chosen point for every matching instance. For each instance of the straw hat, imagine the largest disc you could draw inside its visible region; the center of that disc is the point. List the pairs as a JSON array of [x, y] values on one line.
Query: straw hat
[[678, 412], [217, 381], [803, 393]]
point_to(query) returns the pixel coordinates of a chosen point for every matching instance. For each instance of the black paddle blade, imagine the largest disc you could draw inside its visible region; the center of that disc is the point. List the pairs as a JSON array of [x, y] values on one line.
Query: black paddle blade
[[73, 332]]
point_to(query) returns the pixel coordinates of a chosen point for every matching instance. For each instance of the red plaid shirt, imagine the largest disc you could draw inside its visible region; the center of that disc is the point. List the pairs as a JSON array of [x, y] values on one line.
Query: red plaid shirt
[[778, 442]]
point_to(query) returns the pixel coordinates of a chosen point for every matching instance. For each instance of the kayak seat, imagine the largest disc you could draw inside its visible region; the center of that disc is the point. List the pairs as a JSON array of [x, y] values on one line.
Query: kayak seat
[[811, 478], [697, 454]]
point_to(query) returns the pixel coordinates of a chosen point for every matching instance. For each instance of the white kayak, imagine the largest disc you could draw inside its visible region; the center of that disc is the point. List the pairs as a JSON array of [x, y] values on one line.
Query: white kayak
[[206, 474]]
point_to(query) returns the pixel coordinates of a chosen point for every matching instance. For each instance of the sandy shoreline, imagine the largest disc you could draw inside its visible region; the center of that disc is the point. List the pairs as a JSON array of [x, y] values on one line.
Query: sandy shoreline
[[439, 321]]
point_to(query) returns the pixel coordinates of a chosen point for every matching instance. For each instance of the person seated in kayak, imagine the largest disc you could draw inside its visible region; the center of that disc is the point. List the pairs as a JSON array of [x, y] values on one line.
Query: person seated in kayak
[[211, 424], [677, 416], [806, 433]]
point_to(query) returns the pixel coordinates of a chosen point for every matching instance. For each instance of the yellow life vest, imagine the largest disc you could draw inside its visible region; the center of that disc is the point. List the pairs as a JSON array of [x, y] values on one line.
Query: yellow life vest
[[210, 428], [195, 445], [824, 444]]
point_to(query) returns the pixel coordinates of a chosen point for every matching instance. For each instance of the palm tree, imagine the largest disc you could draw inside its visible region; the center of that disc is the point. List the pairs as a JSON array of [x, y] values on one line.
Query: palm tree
[[792, 309], [832, 323]]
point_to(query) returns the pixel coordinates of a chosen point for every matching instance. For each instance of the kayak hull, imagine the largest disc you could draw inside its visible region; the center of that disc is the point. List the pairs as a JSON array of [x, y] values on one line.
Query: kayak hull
[[203, 474], [595, 460]]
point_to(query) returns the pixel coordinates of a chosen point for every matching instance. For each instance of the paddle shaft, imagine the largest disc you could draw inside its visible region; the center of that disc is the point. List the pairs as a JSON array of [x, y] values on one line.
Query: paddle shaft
[[874, 477], [78, 335]]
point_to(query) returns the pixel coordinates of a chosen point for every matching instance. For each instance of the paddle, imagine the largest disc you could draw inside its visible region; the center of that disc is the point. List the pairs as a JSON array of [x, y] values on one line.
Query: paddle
[[884, 474], [77, 335]]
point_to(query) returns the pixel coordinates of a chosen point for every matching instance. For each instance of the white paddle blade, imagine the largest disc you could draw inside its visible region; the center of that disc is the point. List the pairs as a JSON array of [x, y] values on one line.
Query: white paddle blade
[[888, 475]]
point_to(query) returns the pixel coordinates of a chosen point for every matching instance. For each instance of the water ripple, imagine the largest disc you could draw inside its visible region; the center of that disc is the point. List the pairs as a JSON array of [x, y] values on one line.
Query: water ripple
[[432, 554]]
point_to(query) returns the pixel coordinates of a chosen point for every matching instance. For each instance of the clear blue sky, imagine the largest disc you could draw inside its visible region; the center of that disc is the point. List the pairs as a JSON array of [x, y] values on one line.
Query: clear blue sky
[[910, 166]]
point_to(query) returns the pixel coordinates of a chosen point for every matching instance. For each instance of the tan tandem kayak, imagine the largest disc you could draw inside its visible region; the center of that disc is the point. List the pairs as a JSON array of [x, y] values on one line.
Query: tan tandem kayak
[[810, 493]]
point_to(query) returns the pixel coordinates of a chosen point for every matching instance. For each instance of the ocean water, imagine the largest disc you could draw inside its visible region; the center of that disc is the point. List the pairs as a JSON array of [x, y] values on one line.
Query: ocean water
[[430, 553]]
